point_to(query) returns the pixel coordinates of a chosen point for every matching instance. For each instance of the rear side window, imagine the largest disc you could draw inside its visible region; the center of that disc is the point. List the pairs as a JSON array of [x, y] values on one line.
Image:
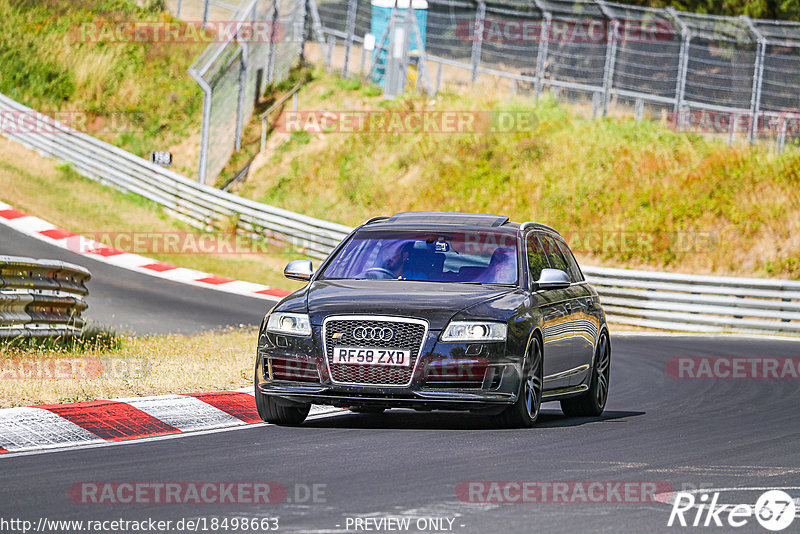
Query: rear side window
[[537, 260], [575, 273], [553, 253]]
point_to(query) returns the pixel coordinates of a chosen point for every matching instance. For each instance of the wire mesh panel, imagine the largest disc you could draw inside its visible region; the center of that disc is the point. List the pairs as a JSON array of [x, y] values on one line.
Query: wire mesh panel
[[510, 38], [648, 51], [333, 14], [721, 61], [224, 105], [449, 22], [781, 74], [577, 42], [256, 50], [287, 49]]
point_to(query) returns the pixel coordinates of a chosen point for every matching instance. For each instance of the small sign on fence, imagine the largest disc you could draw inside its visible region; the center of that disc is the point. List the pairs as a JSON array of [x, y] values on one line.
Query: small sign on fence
[[161, 158]]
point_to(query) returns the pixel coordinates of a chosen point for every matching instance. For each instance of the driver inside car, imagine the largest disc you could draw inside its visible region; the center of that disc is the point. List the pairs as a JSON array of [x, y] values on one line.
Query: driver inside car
[[396, 260]]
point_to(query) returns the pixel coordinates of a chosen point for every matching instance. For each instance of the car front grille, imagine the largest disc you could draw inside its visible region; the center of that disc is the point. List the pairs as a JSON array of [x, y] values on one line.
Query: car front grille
[[292, 370], [408, 334]]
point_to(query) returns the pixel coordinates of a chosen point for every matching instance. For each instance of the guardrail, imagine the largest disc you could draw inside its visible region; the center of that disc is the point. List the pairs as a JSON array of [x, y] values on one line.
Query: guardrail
[[202, 206], [694, 303], [641, 298], [41, 298]]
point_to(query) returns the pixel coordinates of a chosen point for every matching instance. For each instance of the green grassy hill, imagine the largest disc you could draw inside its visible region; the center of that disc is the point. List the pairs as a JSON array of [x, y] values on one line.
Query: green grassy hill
[[624, 193], [136, 95]]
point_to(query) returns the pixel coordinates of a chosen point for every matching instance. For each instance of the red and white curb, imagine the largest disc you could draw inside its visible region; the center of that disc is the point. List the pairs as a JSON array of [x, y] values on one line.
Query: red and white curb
[[50, 233], [87, 423]]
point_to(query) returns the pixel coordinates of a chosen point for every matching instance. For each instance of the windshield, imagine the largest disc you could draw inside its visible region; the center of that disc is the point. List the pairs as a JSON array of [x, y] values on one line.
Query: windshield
[[468, 257]]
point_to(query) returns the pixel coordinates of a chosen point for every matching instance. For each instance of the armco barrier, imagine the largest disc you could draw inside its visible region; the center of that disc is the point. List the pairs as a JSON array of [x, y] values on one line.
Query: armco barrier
[[697, 303], [41, 297], [649, 299], [200, 205]]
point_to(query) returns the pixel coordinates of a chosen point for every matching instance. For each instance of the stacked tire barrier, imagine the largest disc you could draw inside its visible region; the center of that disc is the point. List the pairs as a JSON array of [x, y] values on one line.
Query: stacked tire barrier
[[41, 298]]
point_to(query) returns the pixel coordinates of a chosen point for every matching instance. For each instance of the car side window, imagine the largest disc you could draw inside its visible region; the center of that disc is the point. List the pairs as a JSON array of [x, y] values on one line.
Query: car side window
[[575, 273], [553, 253], [536, 256]]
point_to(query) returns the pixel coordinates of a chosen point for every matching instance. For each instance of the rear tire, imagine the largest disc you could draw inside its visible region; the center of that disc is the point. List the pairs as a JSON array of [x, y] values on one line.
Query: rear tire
[[524, 412], [272, 412], [593, 402]]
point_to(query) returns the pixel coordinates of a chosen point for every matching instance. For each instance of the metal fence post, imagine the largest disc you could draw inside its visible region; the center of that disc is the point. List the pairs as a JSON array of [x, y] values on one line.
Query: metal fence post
[[351, 30], [205, 12], [178, 10], [781, 132], [270, 67], [329, 50], [240, 102], [477, 38], [204, 131], [758, 76], [541, 53], [611, 54], [683, 65]]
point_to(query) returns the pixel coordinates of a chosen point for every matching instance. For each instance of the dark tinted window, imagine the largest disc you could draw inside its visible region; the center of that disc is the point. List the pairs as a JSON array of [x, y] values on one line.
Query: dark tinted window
[[536, 256], [574, 271], [553, 253], [481, 256]]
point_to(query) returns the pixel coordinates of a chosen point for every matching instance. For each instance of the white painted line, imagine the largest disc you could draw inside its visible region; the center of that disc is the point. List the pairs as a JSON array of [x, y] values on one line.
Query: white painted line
[[29, 428]]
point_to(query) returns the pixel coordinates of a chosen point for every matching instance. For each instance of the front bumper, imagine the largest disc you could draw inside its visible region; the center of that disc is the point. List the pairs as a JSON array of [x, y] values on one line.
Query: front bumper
[[430, 388]]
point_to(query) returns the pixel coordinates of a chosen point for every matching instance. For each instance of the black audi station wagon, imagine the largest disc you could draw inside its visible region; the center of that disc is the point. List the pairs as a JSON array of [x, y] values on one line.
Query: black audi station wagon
[[437, 311]]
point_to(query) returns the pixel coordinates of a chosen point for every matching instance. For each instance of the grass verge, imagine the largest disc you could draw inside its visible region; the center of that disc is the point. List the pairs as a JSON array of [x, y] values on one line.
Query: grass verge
[[130, 367]]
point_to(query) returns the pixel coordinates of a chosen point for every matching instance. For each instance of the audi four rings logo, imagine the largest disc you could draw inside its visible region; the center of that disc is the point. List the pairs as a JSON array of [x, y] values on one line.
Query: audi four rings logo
[[373, 333]]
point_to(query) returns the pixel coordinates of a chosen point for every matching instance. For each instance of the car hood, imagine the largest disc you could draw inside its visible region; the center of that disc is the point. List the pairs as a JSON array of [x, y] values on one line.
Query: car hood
[[435, 302]]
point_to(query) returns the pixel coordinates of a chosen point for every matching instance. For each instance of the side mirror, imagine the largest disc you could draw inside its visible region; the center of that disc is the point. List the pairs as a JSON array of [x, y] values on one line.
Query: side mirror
[[299, 270], [552, 279]]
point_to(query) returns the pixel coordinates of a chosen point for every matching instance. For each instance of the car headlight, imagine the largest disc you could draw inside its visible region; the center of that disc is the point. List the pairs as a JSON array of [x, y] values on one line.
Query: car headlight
[[293, 324], [474, 331]]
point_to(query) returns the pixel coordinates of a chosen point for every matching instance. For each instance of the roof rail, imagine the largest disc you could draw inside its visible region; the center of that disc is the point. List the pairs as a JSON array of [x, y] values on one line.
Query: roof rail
[[374, 219], [530, 224], [449, 218]]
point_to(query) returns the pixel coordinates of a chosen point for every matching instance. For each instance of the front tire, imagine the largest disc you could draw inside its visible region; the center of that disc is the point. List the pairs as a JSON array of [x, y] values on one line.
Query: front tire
[[524, 412], [272, 412], [593, 402]]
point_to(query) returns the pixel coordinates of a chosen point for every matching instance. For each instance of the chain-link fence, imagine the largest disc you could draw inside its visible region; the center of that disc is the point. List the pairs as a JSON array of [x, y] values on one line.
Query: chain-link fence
[[722, 75], [257, 42]]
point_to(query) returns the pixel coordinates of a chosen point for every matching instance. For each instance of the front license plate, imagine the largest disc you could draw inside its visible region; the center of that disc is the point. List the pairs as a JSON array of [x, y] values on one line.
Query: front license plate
[[390, 357]]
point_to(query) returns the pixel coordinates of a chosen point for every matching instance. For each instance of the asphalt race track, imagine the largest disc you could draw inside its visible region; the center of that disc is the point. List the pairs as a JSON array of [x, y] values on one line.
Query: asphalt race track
[[143, 304], [687, 433], [682, 434]]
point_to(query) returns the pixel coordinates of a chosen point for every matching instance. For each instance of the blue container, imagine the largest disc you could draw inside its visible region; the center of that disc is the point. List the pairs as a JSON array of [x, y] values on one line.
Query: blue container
[[381, 14]]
